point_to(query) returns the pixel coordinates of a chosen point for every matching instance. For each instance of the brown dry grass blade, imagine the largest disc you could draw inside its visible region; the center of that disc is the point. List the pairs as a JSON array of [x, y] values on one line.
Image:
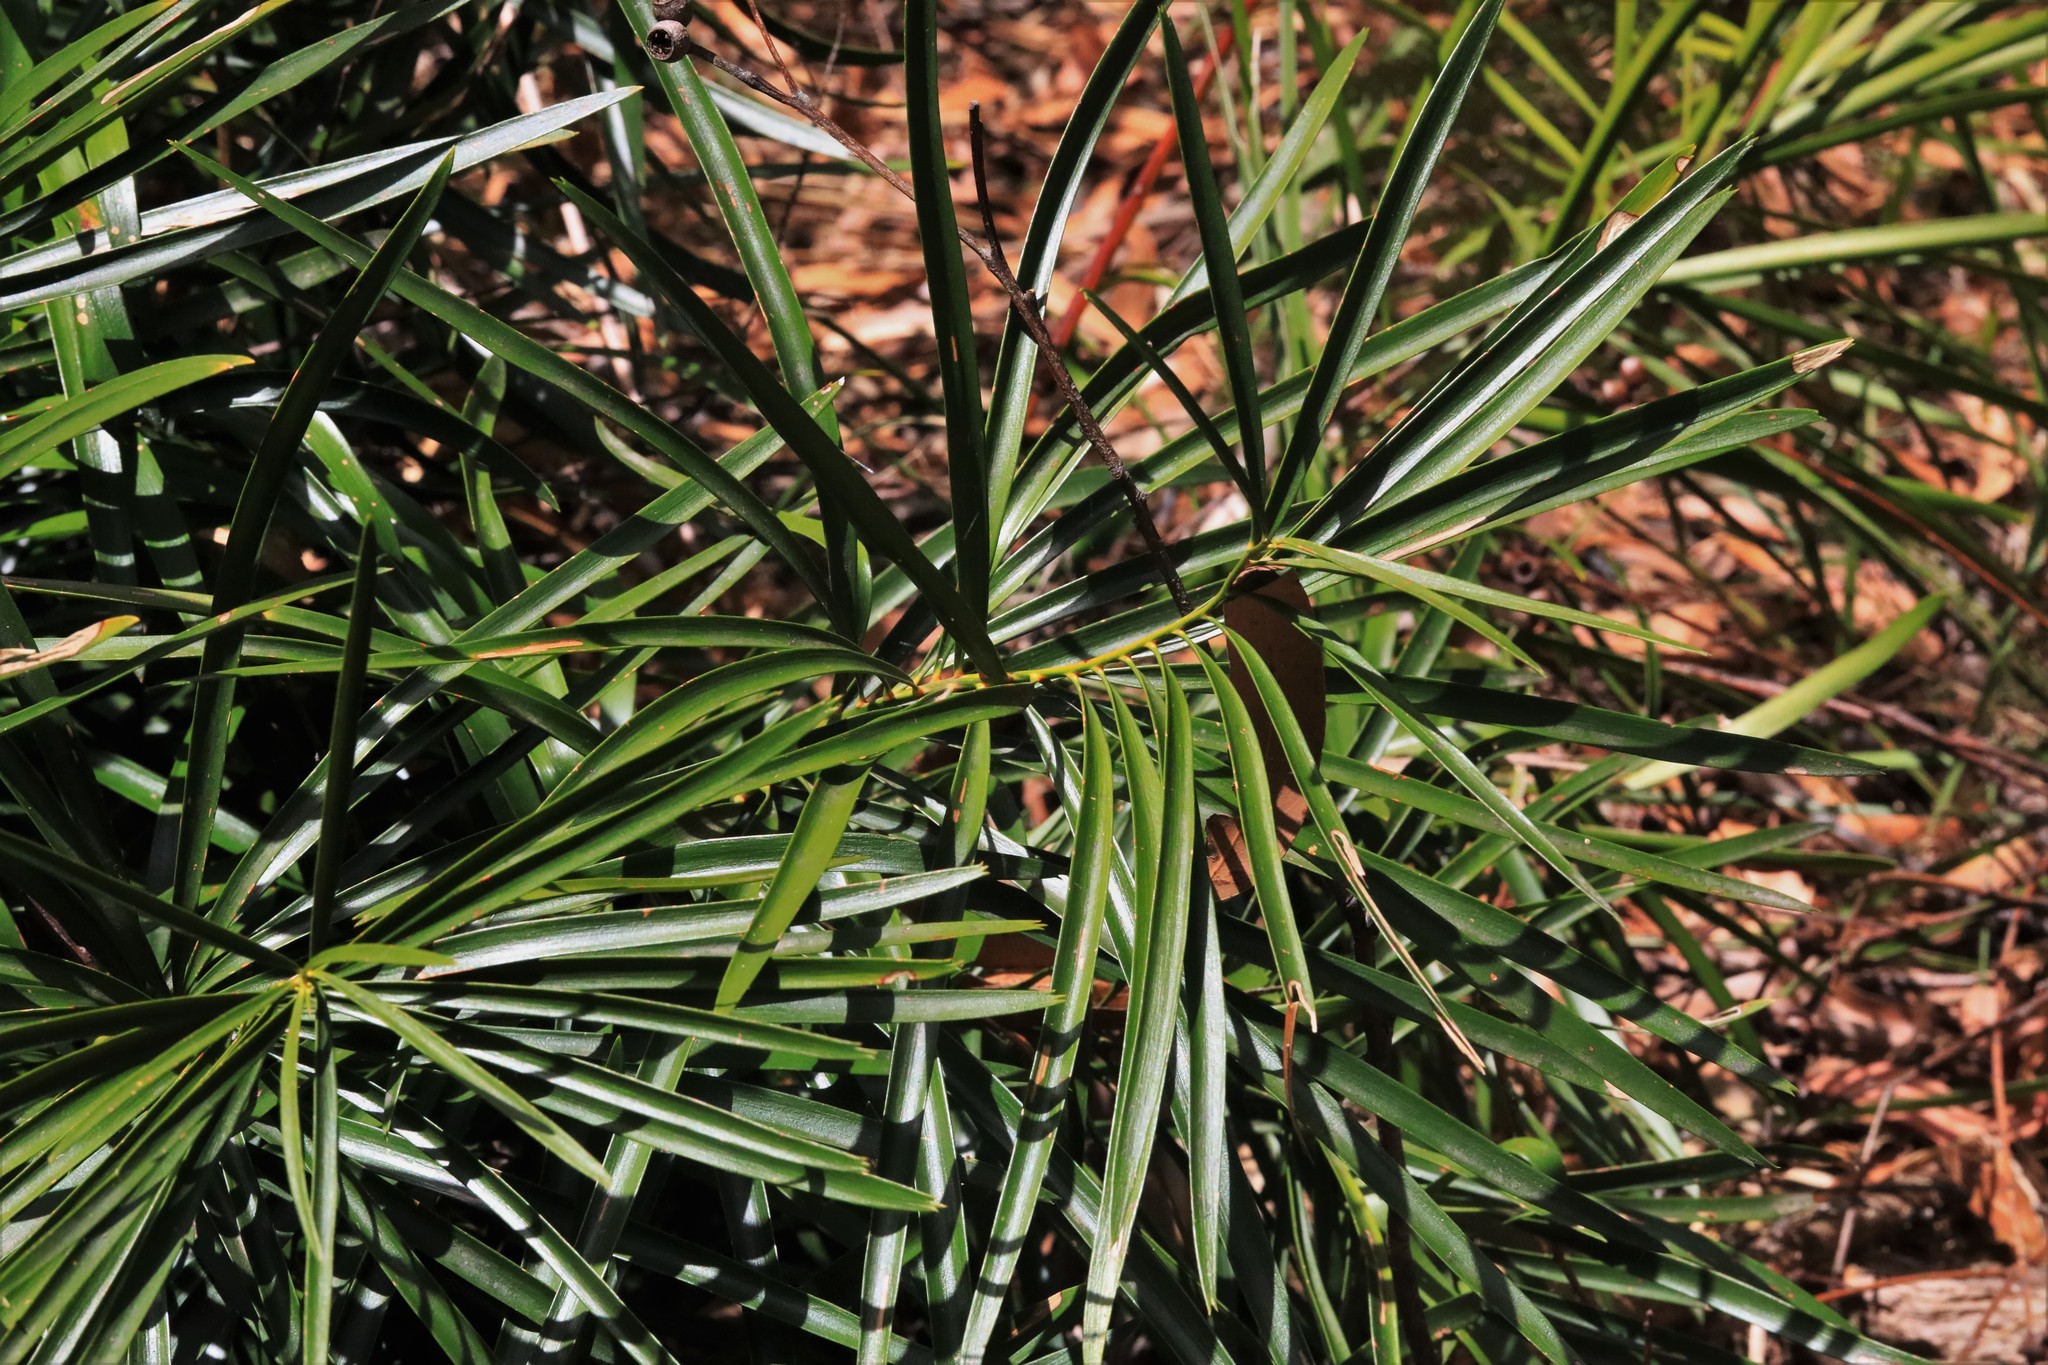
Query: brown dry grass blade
[[17, 661]]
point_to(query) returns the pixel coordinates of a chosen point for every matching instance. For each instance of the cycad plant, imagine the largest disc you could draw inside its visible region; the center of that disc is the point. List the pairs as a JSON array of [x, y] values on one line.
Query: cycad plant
[[1020, 943]]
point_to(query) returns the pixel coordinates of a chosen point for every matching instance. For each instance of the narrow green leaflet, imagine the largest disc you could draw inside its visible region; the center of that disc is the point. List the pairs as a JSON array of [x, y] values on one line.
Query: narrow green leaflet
[[1574, 723], [1262, 843], [810, 852], [1793, 705], [1332, 837], [193, 229], [1038, 255], [967, 465], [24, 436], [595, 637], [1438, 585], [1148, 1046], [1219, 260], [598, 1007], [840, 481], [1284, 163], [422, 1038], [1092, 812], [1856, 244], [1421, 143]]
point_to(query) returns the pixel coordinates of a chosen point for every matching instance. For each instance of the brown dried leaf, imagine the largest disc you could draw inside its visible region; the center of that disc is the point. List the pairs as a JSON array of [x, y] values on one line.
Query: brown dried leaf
[[2008, 1201], [18, 661]]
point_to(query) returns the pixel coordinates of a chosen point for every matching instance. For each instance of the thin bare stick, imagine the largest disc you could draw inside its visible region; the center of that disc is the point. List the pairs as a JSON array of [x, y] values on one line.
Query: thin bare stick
[[977, 140], [754, 8], [1026, 305], [1848, 1232], [990, 254]]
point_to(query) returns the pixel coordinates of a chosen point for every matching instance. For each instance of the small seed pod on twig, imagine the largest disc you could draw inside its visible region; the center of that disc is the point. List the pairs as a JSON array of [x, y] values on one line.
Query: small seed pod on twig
[[665, 40], [678, 10]]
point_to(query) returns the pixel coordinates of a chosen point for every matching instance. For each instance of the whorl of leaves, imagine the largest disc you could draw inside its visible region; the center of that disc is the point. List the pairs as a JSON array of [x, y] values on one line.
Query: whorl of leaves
[[415, 942]]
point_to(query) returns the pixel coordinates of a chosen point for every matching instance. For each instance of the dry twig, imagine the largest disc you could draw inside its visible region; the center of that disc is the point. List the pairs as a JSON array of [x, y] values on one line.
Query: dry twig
[[676, 45]]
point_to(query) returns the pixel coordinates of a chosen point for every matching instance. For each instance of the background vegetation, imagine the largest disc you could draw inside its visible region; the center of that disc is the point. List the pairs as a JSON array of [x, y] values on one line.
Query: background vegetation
[[596, 764]]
